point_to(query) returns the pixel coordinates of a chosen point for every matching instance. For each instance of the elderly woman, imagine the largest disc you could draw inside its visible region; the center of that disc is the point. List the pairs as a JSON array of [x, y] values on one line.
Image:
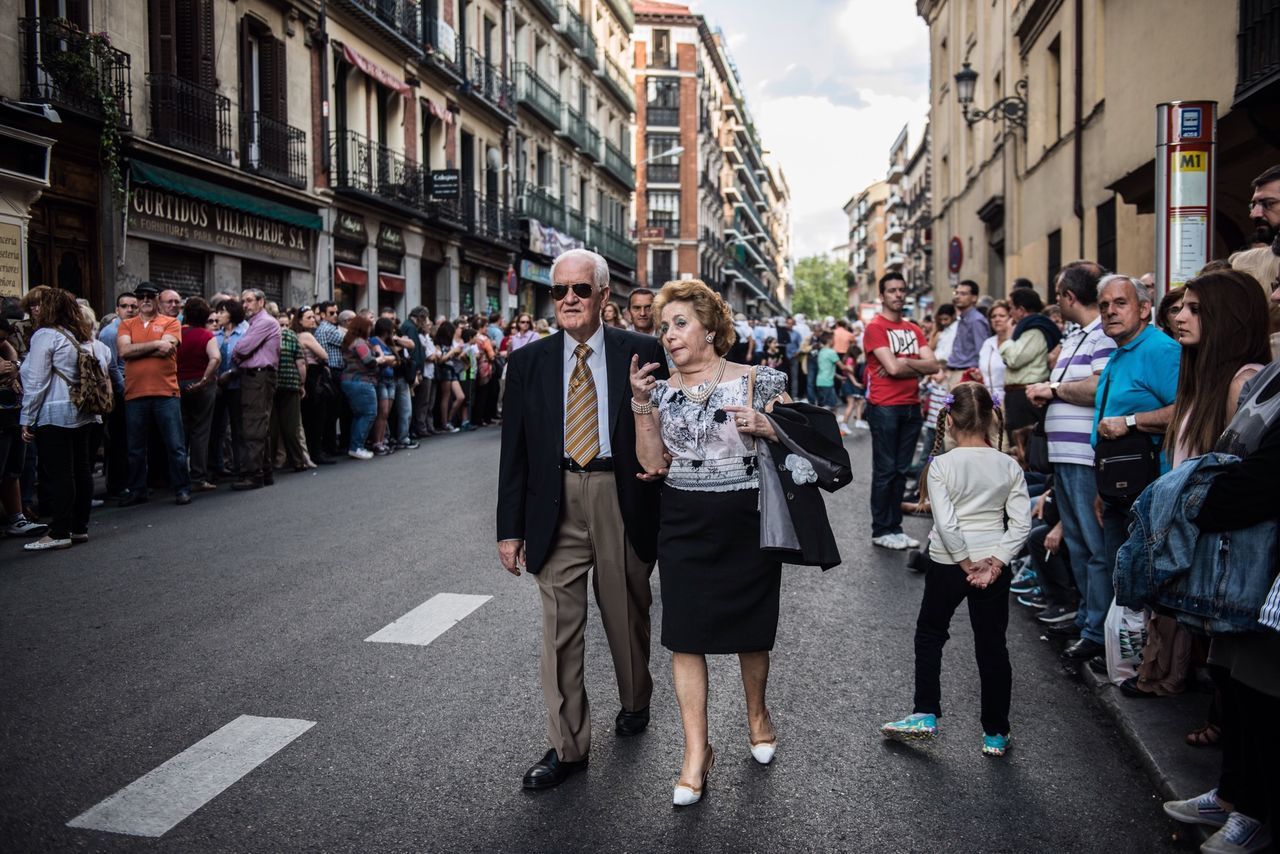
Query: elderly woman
[[52, 421], [719, 591]]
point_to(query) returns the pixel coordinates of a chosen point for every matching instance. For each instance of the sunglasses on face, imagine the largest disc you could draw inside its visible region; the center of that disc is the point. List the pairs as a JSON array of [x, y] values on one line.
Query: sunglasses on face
[[582, 290]]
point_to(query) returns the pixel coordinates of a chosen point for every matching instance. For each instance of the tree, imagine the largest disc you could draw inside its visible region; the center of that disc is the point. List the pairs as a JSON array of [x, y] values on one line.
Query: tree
[[820, 287]]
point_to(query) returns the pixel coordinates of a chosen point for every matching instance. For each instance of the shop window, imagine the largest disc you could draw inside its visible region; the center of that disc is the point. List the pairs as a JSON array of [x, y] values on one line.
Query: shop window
[[267, 278], [177, 269]]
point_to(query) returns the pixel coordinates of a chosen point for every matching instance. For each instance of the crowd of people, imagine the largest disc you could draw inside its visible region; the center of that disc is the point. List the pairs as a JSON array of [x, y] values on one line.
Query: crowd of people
[[1139, 519]]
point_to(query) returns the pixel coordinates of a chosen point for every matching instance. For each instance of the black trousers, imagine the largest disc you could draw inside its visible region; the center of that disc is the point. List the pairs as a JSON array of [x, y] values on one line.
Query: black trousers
[[1053, 570], [66, 473], [1250, 751], [945, 587], [116, 461]]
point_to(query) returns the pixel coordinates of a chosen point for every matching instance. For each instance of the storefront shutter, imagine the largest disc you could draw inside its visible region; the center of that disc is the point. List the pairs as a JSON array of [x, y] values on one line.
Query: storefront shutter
[[177, 269]]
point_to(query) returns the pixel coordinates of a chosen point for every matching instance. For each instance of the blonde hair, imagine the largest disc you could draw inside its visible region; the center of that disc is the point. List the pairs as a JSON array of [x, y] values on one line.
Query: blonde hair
[[708, 306], [1261, 263]]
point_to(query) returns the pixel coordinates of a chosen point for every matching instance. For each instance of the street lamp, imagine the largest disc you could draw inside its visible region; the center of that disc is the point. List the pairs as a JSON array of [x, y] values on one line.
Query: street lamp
[[1012, 109], [670, 152]]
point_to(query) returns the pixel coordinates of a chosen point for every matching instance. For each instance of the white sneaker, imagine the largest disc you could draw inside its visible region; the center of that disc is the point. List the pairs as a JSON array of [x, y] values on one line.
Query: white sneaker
[[912, 542], [24, 527], [1240, 835], [360, 454], [890, 541], [861, 425]]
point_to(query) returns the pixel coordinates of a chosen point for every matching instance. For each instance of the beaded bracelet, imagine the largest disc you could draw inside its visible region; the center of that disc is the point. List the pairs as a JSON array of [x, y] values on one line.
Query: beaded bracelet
[[641, 408]]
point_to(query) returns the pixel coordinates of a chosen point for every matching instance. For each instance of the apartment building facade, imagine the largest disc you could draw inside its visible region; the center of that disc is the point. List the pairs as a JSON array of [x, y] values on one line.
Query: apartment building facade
[[706, 203], [868, 253], [1067, 169], [917, 242]]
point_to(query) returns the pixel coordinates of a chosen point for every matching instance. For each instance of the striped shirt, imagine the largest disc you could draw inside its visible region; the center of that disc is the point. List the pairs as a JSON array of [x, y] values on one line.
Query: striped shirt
[[1069, 427]]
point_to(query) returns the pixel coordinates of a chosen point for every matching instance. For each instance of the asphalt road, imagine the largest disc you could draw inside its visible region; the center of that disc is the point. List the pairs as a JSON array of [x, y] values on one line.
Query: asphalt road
[[173, 622]]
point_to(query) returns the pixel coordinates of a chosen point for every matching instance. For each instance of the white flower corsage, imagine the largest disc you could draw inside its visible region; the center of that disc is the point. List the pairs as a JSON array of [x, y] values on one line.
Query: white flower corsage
[[801, 469]]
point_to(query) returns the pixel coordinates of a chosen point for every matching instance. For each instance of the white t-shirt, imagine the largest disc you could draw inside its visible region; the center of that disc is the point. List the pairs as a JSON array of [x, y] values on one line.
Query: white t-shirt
[[429, 350], [946, 340], [992, 366], [973, 490]]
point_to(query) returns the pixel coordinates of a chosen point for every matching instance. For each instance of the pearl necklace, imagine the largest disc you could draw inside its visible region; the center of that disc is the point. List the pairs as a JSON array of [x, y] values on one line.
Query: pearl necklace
[[710, 386]]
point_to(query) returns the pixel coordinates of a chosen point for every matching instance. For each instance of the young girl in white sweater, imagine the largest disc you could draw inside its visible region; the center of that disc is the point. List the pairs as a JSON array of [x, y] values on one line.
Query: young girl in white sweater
[[981, 518]]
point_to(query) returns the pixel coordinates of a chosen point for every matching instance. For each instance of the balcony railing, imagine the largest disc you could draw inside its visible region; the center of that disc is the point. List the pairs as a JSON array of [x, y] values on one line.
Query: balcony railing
[[582, 134], [579, 33], [402, 17], [67, 67], [536, 203], [669, 227], [619, 165], [550, 8], [662, 59], [1257, 46], [537, 94], [612, 245], [575, 223], [617, 82], [662, 173], [441, 46], [657, 116], [273, 149], [190, 117], [755, 281], [487, 217], [488, 83], [359, 163]]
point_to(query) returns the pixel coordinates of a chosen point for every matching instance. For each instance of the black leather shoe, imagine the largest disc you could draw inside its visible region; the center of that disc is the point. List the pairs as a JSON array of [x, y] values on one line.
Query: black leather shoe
[[1082, 650], [631, 723], [131, 500], [1062, 630], [247, 483], [1098, 664], [1129, 688], [550, 771]]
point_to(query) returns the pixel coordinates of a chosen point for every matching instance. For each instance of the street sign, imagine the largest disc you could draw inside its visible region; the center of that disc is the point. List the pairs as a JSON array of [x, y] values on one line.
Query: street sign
[[1186, 143], [955, 255], [446, 183]]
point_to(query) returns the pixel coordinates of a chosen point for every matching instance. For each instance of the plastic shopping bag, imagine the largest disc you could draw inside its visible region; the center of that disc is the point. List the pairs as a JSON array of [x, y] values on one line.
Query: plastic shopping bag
[[1126, 635], [1270, 615]]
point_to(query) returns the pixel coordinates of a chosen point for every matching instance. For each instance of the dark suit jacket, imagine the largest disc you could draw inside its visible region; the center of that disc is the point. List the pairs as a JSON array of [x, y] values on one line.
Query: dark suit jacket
[[529, 473]]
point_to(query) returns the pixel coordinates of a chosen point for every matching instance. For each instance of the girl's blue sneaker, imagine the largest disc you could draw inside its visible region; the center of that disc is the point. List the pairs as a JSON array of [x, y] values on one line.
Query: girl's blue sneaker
[[911, 728], [996, 745]]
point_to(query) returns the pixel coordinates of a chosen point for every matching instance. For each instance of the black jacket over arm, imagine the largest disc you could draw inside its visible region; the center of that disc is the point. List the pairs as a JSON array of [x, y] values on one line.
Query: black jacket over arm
[[529, 472]]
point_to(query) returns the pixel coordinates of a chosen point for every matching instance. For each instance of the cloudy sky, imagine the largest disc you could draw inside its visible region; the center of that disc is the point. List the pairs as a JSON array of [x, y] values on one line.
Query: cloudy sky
[[830, 84]]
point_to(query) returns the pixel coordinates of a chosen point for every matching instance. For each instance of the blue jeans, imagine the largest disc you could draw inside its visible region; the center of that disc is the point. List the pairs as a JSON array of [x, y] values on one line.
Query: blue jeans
[[402, 410], [1076, 488], [894, 431], [363, 398], [166, 412]]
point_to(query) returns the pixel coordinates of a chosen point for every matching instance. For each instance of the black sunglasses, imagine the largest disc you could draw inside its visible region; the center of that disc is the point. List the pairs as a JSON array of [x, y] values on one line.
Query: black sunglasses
[[582, 290]]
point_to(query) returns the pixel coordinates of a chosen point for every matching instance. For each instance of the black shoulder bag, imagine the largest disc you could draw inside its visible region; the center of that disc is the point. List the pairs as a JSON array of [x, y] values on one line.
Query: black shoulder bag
[[1125, 466]]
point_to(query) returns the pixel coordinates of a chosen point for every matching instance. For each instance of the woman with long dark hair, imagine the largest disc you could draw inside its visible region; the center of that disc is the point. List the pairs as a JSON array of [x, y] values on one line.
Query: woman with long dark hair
[[51, 420], [198, 362], [316, 385], [359, 383], [384, 330], [449, 372]]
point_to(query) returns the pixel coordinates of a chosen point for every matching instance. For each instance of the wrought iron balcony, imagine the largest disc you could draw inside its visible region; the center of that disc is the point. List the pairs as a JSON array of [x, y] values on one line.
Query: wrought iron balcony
[[534, 202], [585, 137], [1257, 47], [67, 67], [190, 117], [273, 149], [613, 246], [402, 17], [538, 95], [550, 8], [487, 217], [668, 226], [575, 223], [487, 82], [659, 116], [578, 32], [361, 164], [662, 173], [617, 82], [618, 164], [441, 47]]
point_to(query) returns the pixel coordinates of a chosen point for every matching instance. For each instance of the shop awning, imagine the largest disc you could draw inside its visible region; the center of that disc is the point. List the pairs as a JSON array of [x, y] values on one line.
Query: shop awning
[[345, 274], [167, 179], [377, 72], [391, 283]]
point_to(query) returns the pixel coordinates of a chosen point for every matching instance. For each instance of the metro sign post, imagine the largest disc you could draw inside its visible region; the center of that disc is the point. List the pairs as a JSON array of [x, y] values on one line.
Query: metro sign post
[[1186, 148]]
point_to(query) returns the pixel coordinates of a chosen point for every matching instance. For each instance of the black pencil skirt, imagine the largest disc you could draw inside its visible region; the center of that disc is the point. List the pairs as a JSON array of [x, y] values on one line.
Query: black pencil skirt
[[719, 591]]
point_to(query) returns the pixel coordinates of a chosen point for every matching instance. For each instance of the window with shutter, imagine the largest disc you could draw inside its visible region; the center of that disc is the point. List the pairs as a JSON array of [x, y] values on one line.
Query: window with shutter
[[164, 50]]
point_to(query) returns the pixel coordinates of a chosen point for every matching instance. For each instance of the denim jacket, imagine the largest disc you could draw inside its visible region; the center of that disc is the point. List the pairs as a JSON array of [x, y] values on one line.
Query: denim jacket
[[1213, 582]]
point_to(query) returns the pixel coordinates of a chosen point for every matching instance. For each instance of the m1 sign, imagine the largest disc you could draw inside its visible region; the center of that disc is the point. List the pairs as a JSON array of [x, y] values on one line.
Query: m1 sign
[[1186, 143]]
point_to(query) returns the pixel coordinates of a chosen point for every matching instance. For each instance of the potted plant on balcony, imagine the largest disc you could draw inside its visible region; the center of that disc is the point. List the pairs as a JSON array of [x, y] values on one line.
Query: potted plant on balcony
[[74, 60]]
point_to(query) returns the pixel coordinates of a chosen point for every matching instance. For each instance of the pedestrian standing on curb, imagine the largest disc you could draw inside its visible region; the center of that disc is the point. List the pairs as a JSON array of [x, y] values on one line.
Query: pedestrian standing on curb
[[1070, 395], [116, 458], [1026, 357], [899, 358], [198, 362], [570, 502], [972, 329], [407, 429], [360, 384], [13, 450], [226, 447], [148, 343], [330, 332], [286, 416], [50, 417], [257, 356], [981, 516], [317, 386], [990, 365]]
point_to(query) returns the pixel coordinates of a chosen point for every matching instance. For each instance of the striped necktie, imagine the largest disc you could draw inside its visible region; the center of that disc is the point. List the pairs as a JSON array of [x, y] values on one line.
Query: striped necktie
[[581, 427]]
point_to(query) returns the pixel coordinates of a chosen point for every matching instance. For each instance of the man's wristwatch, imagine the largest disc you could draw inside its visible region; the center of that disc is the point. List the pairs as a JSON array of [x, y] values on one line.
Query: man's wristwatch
[[1053, 390], [1131, 421]]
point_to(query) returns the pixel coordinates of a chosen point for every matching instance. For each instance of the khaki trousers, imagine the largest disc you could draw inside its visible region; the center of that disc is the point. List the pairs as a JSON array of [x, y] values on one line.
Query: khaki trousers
[[591, 534], [257, 400]]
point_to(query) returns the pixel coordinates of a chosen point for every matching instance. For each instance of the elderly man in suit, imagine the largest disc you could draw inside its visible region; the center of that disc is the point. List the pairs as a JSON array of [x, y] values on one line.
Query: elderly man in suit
[[572, 496]]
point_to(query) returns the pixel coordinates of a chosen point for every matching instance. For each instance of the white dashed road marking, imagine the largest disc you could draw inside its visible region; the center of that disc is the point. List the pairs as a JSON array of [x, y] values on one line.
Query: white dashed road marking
[[429, 620], [154, 803]]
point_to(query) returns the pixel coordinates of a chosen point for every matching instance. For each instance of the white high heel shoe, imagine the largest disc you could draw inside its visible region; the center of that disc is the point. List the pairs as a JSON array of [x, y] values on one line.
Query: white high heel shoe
[[763, 751], [685, 795]]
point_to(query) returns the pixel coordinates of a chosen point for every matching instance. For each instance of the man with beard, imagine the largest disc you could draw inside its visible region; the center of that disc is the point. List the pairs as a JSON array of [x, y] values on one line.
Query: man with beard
[[1264, 207]]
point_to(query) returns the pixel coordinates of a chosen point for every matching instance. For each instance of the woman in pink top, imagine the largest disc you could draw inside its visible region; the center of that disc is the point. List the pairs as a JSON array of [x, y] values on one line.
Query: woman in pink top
[[524, 334]]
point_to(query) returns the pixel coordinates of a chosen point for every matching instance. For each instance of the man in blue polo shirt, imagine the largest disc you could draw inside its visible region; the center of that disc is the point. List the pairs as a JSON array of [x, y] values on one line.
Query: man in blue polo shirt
[[1135, 392]]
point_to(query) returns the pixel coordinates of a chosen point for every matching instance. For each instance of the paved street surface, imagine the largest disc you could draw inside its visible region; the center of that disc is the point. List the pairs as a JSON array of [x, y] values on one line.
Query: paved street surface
[[225, 652]]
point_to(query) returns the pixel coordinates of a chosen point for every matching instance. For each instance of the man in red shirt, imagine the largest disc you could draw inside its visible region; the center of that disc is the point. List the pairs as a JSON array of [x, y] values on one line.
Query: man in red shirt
[[897, 358]]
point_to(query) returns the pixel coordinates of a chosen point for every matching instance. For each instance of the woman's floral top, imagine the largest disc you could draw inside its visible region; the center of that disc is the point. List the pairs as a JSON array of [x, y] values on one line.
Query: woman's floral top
[[707, 452]]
